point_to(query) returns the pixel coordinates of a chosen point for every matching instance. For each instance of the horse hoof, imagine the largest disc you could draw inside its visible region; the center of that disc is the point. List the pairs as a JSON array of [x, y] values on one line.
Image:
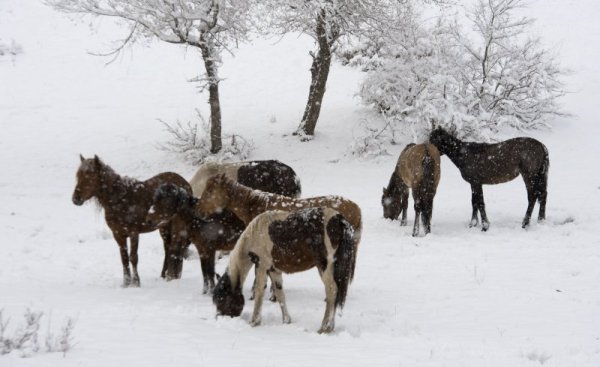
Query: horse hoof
[[485, 227], [287, 320], [325, 329], [255, 323]]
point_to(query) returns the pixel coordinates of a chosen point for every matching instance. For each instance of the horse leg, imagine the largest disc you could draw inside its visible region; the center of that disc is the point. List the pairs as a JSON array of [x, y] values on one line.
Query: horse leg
[[165, 234], [404, 206], [122, 242], [542, 213], [328, 323], [259, 290], [207, 263], [427, 211], [474, 201], [277, 285], [531, 202], [178, 244], [133, 258], [418, 211], [478, 193]]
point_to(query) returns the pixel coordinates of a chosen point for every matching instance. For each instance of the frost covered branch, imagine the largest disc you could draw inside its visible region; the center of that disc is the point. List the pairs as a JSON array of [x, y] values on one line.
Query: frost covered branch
[[26, 336]]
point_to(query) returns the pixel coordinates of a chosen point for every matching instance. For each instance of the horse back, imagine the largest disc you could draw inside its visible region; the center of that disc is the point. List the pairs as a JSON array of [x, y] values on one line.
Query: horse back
[[210, 169], [167, 177], [270, 176], [411, 164], [349, 209], [502, 162]]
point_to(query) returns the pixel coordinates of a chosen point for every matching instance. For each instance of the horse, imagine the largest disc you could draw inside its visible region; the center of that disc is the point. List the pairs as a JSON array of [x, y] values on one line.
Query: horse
[[223, 193], [268, 175], [126, 202], [489, 164], [277, 242], [219, 231], [418, 169]]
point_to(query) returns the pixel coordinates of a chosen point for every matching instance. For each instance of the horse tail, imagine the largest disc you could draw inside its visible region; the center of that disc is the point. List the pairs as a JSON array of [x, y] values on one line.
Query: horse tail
[[298, 192], [428, 181], [341, 234], [540, 180]]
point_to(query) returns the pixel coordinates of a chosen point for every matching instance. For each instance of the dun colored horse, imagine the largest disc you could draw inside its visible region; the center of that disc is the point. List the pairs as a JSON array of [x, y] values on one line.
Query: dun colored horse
[[418, 169], [126, 202], [270, 176], [489, 164], [277, 242], [217, 232], [222, 193]]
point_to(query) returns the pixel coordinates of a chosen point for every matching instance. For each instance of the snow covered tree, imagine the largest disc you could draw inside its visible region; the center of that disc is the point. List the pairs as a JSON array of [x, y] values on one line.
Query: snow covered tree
[[209, 26], [329, 23], [495, 76], [515, 81]]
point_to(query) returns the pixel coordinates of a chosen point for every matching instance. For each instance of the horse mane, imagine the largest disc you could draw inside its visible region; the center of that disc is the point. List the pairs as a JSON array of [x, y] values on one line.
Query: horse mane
[[254, 198], [393, 187], [117, 186]]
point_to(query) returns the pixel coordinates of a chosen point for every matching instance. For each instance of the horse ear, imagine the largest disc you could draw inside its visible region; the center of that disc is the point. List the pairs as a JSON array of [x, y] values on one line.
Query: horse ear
[[218, 276], [96, 160], [81, 158]]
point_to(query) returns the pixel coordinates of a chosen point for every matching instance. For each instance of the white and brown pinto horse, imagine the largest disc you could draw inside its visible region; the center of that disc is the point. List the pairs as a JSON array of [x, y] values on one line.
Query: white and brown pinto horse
[[268, 175], [277, 242], [417, 169]]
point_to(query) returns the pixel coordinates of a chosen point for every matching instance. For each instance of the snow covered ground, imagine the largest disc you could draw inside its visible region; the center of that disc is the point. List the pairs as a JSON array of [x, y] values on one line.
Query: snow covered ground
[[458, 297]]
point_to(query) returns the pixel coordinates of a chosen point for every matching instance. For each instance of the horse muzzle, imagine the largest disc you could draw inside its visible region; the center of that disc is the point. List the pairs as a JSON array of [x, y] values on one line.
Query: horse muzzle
[[78, 201]]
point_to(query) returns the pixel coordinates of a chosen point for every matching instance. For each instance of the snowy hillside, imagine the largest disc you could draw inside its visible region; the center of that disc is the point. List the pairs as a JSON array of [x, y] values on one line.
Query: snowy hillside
[[457, 297]]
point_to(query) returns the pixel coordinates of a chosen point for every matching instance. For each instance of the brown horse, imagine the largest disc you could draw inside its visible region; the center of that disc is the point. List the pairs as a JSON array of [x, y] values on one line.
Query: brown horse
[[126, 202], [418, 169], [277, 242], [490, 164], [222, 193], [217, 232]]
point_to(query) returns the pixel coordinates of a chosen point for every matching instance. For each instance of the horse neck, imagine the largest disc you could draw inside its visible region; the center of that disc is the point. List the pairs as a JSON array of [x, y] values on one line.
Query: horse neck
[[239, 266], [110, 185], [453, 149], [393, 187], [243, 199]]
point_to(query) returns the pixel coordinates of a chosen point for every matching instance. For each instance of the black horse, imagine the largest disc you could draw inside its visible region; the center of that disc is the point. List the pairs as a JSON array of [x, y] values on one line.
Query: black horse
[[490, 164]]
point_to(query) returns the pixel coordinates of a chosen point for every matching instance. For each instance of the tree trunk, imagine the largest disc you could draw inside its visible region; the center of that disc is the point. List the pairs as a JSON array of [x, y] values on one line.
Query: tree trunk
[[213, 97], [319, 73]]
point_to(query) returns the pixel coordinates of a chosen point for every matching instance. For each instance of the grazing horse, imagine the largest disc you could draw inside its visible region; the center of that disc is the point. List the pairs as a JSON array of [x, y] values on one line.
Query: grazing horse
[[270, 176], [490, 164], [219, 231], [277, 242], [418, 169], [126, 202], [222, 193]]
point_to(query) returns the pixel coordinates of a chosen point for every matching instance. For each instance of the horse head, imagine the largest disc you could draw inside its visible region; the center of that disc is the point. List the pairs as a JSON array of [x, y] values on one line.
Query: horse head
[[391, 204], [88, 180], [215, 196], [228, 299], [443, 140], [168, 200]]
